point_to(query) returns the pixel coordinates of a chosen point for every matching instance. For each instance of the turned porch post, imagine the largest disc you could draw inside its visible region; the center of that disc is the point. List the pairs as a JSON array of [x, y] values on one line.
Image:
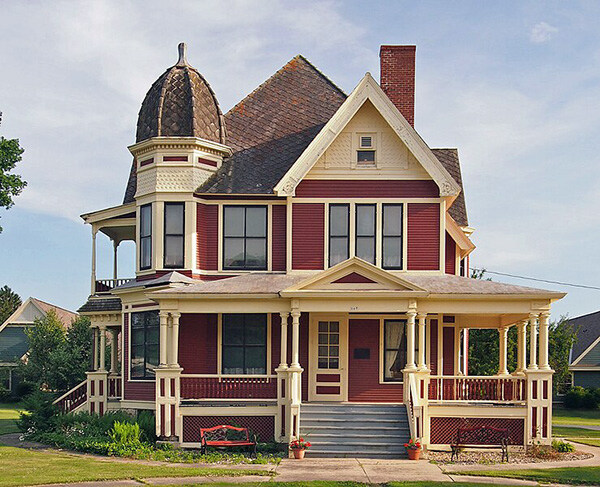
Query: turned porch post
[[295, 338], [115, 259], [102, 366], [533, 341], [174, 362], [421, 358], [543, 352], [94, 232], [522, 346], [96, 339], [503, 336], [284, 326], [114, 350], [410, 341], [164, 324]]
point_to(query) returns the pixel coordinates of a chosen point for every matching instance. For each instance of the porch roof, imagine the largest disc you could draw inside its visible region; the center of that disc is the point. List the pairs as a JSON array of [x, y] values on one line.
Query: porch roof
[[274, 284]]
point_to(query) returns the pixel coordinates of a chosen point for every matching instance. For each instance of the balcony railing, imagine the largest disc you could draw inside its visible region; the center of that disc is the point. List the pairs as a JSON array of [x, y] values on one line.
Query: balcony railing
[[477, 388], [105, 286], [208, 386]]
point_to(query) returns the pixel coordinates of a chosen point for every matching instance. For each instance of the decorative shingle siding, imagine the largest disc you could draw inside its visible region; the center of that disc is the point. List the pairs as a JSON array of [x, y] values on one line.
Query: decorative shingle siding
[[450, 255], [279, 238], [319, 188], [423, 236], [308, 227], [208, 236], [363, 374]]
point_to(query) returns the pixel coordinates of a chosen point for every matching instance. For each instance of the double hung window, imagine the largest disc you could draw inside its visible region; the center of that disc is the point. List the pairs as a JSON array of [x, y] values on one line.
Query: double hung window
[[392, 236], [245, 237], [244, 339], [144, 344], [365, 232], [339, 233], [174, 235], [146, 236]]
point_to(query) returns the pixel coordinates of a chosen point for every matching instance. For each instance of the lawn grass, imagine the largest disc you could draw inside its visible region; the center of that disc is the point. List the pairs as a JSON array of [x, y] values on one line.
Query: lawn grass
[[568, 432], [584, 417], [334, 483], [19, 467], [9, 413], [586, 441], [563, 475]]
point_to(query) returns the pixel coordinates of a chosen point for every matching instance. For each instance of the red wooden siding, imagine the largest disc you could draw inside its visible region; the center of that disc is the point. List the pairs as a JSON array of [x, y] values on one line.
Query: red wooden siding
[[448, 350], [319, 188], [308, 229], [279, 238], [433, 352], [198, 343], [363, 374], [423, 236], [138, 390], [450, 255], [354, 278], [208, 236]]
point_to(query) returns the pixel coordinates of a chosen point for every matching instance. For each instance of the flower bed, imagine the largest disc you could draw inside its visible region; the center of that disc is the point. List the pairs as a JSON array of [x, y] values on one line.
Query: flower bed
[[517, 455]]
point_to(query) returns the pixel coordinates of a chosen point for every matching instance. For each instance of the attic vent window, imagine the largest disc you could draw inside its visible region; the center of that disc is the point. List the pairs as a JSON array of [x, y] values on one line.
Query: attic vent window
[[365, 155], [366, 141]]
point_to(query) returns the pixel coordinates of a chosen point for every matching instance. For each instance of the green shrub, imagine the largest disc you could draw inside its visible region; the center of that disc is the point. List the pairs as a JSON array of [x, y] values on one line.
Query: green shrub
[[39, 414], [562, 446], [147, 423], [580, 398], [23, 389]]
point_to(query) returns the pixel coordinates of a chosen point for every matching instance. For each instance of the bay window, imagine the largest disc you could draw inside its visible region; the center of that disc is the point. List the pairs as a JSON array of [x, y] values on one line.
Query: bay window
[[174, 235], [146, 236]]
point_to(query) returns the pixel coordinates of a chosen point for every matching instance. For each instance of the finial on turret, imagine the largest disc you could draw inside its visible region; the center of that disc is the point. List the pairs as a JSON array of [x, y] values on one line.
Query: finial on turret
[[182, 60]]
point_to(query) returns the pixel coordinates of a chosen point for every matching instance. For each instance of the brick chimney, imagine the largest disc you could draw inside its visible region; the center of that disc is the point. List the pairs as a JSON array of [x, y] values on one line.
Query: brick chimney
[[398, 78]]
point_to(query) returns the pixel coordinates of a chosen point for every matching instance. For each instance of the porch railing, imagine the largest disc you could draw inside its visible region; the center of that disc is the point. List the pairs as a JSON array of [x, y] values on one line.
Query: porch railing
[[103, 286], [72, 399], [477, 388], [114, 387], [209, 386]]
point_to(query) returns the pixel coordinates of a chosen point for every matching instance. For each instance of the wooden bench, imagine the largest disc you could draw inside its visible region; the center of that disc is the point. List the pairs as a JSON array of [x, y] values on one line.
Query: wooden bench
[[480, 437], [226, 436]]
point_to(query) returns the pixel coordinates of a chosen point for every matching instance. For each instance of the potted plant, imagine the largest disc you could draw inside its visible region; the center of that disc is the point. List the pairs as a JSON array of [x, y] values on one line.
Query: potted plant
[[414, 449], [298, 447]]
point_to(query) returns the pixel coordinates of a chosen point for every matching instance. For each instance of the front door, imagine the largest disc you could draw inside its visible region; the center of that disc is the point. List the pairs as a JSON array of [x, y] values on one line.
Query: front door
[[328, 358]]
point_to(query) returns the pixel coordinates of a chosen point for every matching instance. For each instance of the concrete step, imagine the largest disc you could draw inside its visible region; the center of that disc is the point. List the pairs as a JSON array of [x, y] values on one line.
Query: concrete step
[[390, 440], [359, 418], [354, 408], [316, 423], [358, 446], [356, 454]]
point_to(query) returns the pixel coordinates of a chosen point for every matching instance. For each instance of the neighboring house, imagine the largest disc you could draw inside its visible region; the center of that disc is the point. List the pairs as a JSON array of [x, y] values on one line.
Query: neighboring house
[[585, 354], [302, 266], [13, 340]]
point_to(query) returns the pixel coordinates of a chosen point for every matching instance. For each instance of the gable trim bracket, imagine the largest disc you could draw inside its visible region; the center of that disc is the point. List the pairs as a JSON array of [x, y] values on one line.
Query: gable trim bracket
[[368, 89]]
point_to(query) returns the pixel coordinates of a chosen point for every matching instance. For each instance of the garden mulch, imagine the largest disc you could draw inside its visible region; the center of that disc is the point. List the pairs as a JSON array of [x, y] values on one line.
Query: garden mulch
[[517, 456]]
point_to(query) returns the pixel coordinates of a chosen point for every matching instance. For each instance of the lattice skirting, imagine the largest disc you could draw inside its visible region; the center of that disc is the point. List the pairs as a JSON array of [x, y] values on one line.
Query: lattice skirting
[[443, 430], [261, 426]]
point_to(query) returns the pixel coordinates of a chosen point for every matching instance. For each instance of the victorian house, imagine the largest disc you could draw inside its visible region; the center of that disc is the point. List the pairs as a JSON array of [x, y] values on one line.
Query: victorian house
[[302, 265]]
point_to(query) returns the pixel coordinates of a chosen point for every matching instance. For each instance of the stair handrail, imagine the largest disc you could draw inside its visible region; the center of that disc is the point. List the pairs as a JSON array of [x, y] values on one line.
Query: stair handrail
[[70, 391], [414, 407]]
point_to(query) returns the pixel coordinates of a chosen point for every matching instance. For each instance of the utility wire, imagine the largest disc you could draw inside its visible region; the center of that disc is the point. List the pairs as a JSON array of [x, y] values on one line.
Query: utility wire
[[583, 286]]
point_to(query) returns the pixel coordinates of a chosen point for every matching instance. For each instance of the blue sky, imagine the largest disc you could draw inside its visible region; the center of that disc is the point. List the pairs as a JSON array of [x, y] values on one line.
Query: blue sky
[[515, 85]]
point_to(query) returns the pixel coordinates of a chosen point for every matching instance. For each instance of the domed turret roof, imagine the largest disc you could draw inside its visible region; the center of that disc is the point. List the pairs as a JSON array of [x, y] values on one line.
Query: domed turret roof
[[181, 104]]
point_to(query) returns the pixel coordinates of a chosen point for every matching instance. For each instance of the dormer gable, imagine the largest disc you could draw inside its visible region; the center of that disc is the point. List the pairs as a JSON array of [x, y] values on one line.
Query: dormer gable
[[368, 91]]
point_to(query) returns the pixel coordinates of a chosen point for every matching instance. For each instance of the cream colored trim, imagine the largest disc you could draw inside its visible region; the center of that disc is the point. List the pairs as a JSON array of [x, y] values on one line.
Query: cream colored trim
[[220, 238], [269, 238], [107, 213], [584, 369], [462, 240], [581, 355], [129, 404], [382, 319], [367, 89], [189, 248], [367, 200], [442, 258], [289, 234], [178, 143]]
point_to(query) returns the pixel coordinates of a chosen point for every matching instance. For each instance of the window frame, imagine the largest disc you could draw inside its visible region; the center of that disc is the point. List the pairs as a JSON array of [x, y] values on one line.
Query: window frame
[[384, 236], [245, 238], [373, 236], [348, 236], [143, 237], [384, 348], [222, 345], [145, 344], [182, 235]]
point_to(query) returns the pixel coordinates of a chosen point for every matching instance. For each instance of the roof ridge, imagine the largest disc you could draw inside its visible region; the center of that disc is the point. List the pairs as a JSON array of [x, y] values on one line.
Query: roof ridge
[[280, 71], [52, 305], [583, 316]]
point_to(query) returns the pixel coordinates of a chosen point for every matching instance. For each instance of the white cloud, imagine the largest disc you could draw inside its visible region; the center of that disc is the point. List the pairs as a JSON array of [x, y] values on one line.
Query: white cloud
[[542, 32]]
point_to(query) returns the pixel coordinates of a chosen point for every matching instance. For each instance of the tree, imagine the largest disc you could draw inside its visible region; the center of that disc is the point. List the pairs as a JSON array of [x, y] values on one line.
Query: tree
[[561, 338], [9, 302], [11, 185]]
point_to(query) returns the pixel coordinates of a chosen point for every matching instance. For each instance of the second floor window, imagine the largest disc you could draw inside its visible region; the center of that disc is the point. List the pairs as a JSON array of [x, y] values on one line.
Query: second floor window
[[365, 232], [245, 237], [144, 344], [392, 237], [174, 235], [339, 233], [146, 236]]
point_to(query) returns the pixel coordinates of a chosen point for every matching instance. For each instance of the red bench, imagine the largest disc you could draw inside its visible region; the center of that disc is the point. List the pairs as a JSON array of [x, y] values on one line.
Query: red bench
[[226, 436], [480, 437]]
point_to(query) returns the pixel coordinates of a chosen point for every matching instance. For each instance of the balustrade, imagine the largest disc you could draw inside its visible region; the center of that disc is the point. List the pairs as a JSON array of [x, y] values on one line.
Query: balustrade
[[200, 386], [477, 388]]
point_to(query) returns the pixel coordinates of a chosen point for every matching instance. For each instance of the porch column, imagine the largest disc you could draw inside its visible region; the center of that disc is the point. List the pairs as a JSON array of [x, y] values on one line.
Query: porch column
[[421, 358], [295, 337], [164, 324], [115, 255], [522, 346], [114, 350], [95, 338], [503, 335], [174, 362], [284, 326], [102, 359], [94, 232], [533, 341], [410, 341], [544, 328]]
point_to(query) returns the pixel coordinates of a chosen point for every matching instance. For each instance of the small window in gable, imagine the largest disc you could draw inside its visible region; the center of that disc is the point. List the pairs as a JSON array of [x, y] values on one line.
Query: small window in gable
[[365, 155]]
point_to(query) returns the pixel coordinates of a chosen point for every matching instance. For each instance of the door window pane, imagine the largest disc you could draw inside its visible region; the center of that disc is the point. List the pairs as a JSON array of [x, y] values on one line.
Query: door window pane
[[328, 351], [245, 237], [394, 358], [244, 340]]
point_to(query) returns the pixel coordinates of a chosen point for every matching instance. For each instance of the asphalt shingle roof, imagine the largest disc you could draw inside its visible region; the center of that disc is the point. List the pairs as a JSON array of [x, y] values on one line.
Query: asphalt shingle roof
[[588, 330], [101, 304]]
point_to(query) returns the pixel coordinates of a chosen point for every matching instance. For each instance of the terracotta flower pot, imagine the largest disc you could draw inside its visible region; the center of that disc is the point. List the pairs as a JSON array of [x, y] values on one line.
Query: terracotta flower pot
[[299, 454], [414, 454]]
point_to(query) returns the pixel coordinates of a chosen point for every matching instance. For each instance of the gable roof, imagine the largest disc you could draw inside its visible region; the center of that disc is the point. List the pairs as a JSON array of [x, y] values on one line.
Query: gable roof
[[588, 331], [64, 315], [449, 159]]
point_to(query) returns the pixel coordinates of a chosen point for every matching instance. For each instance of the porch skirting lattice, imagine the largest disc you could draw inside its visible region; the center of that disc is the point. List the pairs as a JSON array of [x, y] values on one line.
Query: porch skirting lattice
[[444, 429], [262, 426]]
